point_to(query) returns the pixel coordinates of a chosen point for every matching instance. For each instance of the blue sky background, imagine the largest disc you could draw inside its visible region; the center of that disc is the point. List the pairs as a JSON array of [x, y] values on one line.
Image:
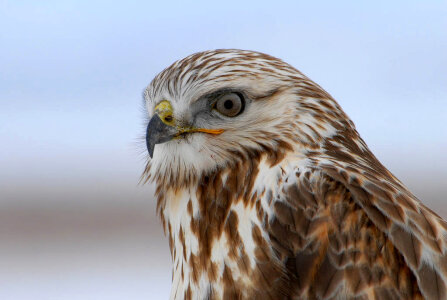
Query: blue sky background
[[71, 79]]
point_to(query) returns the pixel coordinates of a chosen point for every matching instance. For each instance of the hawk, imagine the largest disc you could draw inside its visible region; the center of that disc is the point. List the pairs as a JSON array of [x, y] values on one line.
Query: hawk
[[266, 190]]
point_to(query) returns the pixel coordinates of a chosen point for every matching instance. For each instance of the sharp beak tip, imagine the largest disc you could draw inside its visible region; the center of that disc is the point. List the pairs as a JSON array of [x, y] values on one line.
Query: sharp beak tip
[[151, 152], [150, 145]]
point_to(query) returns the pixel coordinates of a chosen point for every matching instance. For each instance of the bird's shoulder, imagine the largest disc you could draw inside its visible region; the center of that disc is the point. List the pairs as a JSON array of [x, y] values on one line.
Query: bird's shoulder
[[353, 233]]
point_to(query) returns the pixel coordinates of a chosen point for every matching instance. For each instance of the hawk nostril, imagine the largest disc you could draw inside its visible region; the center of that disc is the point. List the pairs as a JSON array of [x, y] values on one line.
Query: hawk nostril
[[168, 118]]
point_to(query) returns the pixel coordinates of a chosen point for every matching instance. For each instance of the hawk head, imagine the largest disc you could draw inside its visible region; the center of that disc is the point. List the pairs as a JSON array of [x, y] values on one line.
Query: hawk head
[[213, 107]]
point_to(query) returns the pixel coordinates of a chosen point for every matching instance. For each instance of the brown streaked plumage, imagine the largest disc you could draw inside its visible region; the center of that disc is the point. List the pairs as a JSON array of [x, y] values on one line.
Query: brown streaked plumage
[[267, 191]]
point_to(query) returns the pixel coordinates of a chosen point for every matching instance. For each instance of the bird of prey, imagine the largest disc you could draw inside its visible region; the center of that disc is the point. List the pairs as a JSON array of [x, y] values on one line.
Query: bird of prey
[[266, 190]]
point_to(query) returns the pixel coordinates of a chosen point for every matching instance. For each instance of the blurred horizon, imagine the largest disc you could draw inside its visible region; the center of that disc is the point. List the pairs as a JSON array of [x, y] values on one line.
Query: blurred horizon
[[75, 224]]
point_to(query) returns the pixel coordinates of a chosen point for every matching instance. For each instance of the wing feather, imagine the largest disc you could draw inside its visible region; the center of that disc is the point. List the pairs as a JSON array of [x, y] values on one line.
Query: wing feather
[[418, 233], [353, 236]]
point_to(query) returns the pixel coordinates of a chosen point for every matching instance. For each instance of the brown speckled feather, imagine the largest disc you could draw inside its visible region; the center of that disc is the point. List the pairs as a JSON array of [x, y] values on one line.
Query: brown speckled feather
[[286, 201], [332, 248]]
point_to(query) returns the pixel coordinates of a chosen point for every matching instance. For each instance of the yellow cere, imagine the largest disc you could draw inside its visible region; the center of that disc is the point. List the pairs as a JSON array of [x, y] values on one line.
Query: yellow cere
[[164, 111]]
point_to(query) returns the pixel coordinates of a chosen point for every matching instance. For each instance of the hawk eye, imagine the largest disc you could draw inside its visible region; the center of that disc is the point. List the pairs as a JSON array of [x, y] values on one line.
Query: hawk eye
[[230, 105]]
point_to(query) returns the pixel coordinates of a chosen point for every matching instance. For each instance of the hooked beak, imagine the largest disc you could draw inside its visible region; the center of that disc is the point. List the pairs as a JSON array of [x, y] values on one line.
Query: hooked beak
[[162, 128], [158, 132]]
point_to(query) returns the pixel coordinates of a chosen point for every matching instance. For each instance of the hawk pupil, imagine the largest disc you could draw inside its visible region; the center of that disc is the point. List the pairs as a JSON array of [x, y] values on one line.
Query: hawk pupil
[[228, 104]]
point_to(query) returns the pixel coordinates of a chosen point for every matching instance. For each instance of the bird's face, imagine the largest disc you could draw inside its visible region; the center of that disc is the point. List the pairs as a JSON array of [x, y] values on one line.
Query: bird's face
[[210, 107]]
